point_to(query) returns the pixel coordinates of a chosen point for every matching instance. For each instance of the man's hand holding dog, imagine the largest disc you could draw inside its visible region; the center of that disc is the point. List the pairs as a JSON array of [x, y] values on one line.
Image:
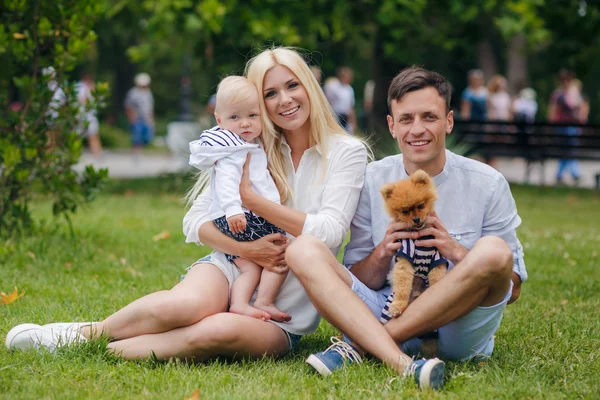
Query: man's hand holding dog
[[452, 250], [446, 245]]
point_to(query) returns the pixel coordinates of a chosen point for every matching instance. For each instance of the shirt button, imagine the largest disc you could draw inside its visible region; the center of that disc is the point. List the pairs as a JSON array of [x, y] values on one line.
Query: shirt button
[[458, 237]]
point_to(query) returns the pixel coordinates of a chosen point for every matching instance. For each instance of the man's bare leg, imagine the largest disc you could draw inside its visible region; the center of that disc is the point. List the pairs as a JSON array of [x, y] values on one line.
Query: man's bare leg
[[328, 284], [481, 279]]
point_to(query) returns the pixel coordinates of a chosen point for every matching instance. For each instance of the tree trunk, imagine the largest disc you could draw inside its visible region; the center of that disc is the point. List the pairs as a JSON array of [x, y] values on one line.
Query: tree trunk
[[486, 57], [383, 71], [517, 64]]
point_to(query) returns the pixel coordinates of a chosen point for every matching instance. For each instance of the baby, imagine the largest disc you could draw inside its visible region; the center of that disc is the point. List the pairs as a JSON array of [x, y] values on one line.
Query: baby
[[222, 152]]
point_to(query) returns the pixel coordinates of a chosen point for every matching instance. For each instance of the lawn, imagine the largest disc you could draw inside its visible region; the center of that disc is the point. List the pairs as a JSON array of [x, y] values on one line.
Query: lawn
[[547, 347]]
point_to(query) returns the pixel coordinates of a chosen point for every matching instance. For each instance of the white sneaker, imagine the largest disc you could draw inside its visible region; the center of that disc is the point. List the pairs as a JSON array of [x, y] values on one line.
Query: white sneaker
[[32, 336], [68, 326]]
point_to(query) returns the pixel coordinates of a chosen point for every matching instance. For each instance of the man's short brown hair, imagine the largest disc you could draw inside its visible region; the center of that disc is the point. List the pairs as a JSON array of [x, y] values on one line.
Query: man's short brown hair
[[416, 78]]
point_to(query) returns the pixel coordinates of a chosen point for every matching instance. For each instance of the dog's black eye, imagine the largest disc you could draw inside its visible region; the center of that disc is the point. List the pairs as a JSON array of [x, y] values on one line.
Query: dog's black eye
[[421, 206], [405, 212]]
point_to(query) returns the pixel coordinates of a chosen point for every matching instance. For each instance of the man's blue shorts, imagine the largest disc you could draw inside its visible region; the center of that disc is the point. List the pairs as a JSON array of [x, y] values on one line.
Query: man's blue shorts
[[141, 133], [469, 337]]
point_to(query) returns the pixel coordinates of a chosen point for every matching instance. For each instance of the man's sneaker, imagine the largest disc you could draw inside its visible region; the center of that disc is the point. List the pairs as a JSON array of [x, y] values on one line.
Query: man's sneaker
[[32, 336], [335, 357], [429, 374]]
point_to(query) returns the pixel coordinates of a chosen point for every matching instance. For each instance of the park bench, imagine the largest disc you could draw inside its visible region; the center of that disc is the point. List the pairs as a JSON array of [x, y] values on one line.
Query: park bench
[[535, 142]]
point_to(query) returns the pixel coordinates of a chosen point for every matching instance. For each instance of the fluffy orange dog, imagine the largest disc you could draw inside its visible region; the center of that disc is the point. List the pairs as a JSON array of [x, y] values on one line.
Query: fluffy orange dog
[[411, 200]]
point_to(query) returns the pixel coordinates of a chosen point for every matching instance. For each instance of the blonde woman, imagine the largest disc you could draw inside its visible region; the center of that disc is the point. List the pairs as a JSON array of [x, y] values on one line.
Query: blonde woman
[[319, 172]]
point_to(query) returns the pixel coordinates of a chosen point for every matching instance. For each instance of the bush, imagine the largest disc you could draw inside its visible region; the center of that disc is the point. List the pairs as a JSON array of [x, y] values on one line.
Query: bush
[[38, 142]]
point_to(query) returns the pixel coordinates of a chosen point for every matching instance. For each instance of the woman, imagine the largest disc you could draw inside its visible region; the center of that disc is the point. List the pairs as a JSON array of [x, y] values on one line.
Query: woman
[[319, 172], [474, 98]]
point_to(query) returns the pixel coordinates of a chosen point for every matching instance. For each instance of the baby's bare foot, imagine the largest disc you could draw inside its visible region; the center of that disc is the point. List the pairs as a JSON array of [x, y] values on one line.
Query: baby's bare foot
[[248, 310], [275, 313]]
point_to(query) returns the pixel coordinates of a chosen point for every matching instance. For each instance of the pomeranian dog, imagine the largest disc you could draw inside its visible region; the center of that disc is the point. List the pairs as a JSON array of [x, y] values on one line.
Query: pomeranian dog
[[411, 201]]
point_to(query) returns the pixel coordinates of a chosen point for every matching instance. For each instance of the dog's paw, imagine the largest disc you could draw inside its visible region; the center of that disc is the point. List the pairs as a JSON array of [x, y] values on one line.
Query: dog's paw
[[396, 309]]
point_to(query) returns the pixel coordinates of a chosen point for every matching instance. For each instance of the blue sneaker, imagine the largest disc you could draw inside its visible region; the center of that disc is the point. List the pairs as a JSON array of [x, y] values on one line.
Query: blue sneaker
[[338, 355], [429, 374]]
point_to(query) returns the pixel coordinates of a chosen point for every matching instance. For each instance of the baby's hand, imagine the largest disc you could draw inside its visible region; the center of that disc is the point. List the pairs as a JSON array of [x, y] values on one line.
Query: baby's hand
[[237, 223]]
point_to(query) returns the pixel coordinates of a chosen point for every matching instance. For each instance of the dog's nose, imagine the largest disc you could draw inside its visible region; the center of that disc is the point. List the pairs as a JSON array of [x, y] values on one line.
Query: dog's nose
[[416, 220]]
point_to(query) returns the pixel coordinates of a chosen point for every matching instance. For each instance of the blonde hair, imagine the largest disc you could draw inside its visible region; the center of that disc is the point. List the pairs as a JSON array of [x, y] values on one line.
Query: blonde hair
[[322, 120], [495, 83], [231, 90]]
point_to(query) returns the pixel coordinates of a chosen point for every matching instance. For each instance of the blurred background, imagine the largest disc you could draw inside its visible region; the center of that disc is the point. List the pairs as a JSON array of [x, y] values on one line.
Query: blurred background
[[186, 46]]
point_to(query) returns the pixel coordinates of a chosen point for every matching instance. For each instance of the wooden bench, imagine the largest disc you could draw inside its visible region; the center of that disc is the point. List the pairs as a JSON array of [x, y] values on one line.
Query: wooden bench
[[534, 142]]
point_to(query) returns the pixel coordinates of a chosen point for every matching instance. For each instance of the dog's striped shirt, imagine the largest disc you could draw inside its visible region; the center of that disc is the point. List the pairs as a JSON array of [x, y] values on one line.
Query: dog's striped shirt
[[423, 260]]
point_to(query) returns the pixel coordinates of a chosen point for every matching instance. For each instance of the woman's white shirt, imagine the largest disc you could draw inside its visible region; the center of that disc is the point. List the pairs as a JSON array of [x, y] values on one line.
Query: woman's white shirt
[[329, 198]]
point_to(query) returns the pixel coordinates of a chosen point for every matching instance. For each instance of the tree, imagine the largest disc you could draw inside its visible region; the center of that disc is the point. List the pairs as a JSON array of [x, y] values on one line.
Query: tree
[[39, 111]]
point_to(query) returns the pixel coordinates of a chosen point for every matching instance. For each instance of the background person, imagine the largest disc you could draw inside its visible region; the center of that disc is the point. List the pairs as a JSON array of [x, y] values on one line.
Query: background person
[[139, 107], [474, 98], [88, 127], [565, 107], [341, 98]]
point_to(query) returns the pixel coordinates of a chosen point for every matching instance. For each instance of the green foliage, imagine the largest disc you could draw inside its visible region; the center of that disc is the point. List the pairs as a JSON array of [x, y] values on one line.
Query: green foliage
[[39, 143]]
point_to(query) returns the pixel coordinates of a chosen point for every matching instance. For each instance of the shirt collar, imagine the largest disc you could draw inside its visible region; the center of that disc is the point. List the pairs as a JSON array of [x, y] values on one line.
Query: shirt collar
[[318, 148], [442, 176]]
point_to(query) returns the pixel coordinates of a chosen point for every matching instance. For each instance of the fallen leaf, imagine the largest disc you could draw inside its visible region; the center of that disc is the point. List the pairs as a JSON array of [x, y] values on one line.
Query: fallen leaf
[[123, 260], [564, 302], [194, 396], [481, 363], [31, 254], [128, 192], [161, 236], [11, 298], [17, 35], [68, 264]]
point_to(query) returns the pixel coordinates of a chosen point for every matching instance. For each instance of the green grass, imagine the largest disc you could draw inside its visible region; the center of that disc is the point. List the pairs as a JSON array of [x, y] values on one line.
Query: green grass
[[547, 346]]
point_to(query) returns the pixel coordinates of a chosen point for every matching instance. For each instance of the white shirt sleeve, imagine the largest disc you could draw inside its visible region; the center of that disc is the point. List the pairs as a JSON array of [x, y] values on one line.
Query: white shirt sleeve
[[501, 219], [228, 175], [196, 216], [361, 242], [341, 190]]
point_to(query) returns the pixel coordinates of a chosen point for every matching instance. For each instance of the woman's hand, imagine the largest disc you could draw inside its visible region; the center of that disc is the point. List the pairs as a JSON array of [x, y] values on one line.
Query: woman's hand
[[268, 252], [246, 192]]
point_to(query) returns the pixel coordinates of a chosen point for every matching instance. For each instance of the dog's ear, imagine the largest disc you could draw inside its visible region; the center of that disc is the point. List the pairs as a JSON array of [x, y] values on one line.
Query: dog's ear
[[386, 190], [420, 177]]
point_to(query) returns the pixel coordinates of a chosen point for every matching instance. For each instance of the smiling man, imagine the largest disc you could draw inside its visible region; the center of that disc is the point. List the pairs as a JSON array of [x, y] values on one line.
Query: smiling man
[[474, 227]]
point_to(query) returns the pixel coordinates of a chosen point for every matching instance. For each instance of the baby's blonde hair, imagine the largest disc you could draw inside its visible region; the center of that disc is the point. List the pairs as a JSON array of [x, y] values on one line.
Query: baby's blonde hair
[[323, 123], [231, 90]]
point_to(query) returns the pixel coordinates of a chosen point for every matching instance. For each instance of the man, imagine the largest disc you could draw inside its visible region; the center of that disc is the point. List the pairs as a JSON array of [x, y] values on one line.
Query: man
[[341, 97], [139, 106], [475, 231]]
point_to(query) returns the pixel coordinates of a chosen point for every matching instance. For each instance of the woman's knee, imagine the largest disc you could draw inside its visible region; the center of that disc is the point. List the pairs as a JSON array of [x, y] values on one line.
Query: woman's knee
[[495, 256], [177, 309], [215, 332], [305, 249]]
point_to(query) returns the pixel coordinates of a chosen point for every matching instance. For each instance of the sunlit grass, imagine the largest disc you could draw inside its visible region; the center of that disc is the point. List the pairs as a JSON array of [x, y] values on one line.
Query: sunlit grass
[[547, 346]]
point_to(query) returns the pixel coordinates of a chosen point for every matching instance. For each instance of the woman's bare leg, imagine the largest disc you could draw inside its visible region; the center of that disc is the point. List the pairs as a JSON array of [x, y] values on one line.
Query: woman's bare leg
[[243, 288], [223, 334], [203, 292], [270, 283]]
